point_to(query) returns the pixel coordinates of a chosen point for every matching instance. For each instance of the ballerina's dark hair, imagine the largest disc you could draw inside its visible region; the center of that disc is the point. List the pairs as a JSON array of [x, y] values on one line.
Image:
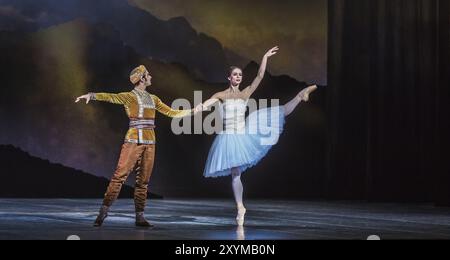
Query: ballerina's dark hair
[[231, 69]]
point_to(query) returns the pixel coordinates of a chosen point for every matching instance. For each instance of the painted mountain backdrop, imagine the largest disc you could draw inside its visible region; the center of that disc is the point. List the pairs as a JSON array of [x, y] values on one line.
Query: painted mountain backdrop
[[25, 176], [54, 51]]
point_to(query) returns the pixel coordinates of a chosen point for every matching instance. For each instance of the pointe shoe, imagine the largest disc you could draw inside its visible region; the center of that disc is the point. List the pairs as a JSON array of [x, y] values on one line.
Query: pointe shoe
[[304, 94], [141, 221], [240, 219], [102, 215]]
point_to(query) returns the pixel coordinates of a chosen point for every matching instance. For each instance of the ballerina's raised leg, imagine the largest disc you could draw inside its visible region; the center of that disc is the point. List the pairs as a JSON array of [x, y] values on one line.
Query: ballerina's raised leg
[[302, 96]]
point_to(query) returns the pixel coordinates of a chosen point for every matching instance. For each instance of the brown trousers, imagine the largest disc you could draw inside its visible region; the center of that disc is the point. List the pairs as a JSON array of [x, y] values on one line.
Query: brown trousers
[[138, 157]]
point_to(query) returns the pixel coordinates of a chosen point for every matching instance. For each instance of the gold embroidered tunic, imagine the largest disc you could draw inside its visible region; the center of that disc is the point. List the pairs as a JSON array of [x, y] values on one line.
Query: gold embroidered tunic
[[141, 108]]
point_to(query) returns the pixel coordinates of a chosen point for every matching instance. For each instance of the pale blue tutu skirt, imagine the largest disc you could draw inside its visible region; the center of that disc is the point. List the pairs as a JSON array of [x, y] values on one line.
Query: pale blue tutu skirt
[[244, 150]]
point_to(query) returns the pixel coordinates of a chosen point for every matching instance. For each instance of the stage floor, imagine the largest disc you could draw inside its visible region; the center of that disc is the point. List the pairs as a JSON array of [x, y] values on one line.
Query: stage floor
[[214, 220]]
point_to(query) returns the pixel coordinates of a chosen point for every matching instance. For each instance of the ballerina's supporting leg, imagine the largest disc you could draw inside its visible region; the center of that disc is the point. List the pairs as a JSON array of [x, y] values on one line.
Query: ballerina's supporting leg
[[238, 190]]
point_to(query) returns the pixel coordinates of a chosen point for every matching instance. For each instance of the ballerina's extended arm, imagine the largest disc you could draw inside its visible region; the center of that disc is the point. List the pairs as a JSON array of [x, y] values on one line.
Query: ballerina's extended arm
[[262, 70], [208, 103]]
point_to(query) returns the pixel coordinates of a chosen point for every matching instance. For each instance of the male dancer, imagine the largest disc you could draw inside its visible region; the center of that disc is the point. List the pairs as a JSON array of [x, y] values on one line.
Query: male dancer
[[138, 151]]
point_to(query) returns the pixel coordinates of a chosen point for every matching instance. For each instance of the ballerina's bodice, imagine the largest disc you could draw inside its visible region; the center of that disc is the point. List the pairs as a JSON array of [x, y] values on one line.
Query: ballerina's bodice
[[233, 113]]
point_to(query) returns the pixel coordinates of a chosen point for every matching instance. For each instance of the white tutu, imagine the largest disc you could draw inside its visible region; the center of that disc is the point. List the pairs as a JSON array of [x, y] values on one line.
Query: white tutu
[[245, 149]]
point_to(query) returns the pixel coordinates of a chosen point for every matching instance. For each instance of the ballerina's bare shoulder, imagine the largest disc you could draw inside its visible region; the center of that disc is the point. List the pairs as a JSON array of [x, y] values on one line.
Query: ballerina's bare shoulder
[[231, 95]]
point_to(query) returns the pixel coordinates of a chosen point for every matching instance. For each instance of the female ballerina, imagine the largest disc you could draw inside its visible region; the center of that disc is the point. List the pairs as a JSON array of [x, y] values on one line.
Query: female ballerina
[[235, 149]]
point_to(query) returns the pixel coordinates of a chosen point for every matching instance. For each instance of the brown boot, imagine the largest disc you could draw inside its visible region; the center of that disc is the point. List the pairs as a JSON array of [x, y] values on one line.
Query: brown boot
[[101, 216], [141, 221]]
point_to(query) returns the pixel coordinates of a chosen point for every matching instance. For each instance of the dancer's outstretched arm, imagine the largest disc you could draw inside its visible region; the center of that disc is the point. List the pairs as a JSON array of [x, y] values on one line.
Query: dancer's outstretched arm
[[262, 70], [119, 99], [168, 111], [210, 102]]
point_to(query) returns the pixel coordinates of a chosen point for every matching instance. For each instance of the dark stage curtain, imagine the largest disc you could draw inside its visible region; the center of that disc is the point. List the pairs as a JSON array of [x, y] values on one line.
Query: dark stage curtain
[[388, 102]]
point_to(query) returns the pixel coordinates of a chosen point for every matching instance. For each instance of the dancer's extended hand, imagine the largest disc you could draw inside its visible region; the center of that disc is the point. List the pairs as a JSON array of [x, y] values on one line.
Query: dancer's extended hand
[[199, 108], [272, 52], [87, 97]]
